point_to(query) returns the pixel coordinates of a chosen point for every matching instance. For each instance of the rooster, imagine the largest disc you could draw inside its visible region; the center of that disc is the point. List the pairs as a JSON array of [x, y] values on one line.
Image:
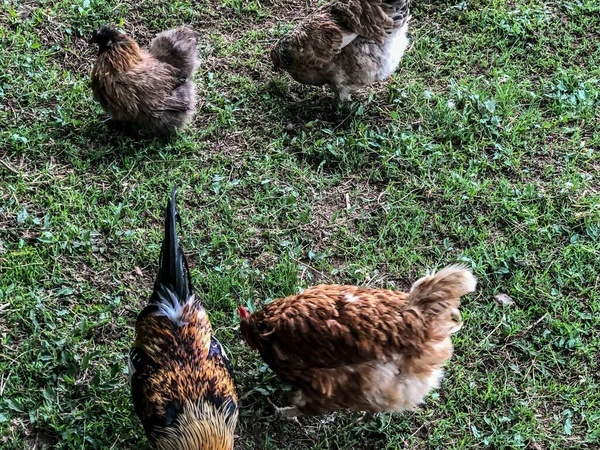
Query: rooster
[[181, 381], [346, 44], [370, 350], [152, 89]]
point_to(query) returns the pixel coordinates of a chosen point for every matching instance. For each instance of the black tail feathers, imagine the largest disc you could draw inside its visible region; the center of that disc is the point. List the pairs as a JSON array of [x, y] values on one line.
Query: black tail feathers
[[173, 272]]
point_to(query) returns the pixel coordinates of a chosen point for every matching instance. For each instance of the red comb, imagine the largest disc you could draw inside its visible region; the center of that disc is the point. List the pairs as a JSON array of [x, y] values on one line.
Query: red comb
[[243, 313]]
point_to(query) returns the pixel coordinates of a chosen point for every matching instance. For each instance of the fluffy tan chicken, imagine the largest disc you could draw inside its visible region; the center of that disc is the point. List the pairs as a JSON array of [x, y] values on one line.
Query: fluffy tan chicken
[[348, 347], [152, 89], [346, 44]]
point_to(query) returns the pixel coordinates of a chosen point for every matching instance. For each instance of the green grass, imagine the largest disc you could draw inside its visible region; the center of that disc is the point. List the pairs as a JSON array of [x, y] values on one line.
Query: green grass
[[483, 148]]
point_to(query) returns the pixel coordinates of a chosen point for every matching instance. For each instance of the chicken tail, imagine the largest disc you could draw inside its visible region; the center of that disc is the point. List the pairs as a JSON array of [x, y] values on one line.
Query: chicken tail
[[437, 296], [397, 10], [178, 48], [173, 272]]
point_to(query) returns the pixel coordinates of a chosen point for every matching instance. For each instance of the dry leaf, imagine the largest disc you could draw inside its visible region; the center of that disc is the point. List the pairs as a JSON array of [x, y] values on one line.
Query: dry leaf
[[504, 299], [138, 271]]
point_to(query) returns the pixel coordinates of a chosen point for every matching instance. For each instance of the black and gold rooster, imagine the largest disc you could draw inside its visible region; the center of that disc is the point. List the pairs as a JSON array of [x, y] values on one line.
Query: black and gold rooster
[[181, 382]]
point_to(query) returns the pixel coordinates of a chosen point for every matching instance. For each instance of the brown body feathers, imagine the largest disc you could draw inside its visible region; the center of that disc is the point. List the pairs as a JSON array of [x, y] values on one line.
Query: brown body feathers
[[346, 44], [182, 384], [153, 88], [347, 347]]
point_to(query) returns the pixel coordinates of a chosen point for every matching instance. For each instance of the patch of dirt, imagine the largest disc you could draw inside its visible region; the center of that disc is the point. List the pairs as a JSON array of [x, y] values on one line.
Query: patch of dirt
[[340, 208], [231, 144], [41, 440]]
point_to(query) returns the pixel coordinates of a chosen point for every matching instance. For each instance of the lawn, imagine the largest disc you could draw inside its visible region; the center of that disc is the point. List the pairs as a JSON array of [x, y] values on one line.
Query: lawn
[[482, 149]]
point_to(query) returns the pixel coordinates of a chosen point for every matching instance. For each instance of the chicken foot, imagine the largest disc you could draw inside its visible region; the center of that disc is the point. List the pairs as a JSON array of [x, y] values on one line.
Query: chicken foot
[[289, 413], [367, 416]]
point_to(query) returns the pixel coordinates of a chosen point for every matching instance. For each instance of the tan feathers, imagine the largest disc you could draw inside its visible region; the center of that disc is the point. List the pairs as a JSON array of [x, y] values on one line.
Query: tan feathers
[[152, 89], [359, 348]]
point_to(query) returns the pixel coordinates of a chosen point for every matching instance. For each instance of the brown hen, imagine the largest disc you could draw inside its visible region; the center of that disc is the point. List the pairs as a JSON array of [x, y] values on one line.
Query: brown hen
[[152, 89], [373, 350], [346, 44], [181, 381]]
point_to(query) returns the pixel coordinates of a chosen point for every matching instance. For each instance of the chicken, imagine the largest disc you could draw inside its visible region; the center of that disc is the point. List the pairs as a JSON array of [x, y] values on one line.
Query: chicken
[[152, 89], [346, 44], [181, 380], [371, 350]]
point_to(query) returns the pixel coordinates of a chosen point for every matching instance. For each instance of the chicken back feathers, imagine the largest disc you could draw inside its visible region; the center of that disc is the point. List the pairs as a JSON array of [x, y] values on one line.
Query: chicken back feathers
[[153, 88], [182, 383], [346, 44], [347, 347]]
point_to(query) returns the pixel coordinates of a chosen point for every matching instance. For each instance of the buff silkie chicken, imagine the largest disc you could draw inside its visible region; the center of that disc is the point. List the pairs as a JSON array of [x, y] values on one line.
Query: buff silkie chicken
[[346, 44], [181, 381], [370, 350], [152, 89]]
